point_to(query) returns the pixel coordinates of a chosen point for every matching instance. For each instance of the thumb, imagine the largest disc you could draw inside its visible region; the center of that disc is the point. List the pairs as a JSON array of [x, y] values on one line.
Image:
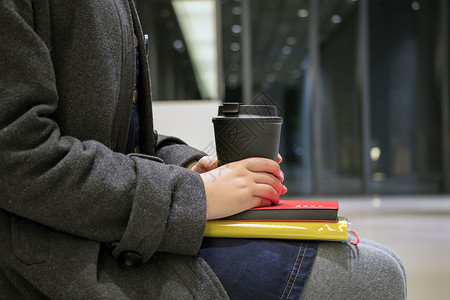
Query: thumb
[[208, 163]]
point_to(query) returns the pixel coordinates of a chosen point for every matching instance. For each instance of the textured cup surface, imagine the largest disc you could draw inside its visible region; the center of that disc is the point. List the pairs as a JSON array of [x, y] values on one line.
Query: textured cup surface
[[243, 131]]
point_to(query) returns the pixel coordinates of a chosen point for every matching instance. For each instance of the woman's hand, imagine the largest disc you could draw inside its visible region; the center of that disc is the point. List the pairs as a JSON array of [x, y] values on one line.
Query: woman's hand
[[242, 185]]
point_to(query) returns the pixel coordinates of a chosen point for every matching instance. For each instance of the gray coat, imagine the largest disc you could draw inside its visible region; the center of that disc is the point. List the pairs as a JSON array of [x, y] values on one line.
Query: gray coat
[[72, 206]]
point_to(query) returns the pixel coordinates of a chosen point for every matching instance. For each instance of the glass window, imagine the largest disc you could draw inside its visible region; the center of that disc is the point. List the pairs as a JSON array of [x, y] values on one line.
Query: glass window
[[339, 98], [183, 48], [362, 85], [406, 147]]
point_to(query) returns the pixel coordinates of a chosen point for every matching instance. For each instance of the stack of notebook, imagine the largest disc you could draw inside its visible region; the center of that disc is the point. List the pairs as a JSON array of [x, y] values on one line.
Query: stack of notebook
[[290, 219]]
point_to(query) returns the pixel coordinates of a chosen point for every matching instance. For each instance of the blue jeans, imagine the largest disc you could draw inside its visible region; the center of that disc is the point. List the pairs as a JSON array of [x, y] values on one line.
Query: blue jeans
[[260, 269]]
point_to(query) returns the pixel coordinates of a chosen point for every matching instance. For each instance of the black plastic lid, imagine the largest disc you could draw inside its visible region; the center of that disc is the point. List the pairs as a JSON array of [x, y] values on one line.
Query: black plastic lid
[[237, 110]]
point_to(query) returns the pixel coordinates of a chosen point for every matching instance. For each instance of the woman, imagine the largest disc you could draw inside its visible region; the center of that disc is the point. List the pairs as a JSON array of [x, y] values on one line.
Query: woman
[[83, 218]]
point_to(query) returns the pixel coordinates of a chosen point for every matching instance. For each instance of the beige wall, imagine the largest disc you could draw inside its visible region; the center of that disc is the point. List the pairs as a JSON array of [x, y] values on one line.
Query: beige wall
[[189, 120]]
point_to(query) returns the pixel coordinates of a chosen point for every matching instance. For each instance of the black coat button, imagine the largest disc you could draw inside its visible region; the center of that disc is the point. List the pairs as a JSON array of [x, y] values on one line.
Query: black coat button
[[130, 259]]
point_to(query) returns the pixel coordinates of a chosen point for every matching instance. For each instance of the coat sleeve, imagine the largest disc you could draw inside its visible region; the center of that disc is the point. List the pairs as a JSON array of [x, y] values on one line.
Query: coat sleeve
[[172, 150], [82, 187]]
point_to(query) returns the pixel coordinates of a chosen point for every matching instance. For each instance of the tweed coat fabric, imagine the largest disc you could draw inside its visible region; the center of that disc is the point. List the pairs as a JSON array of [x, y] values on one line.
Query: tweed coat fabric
[[66, 188]]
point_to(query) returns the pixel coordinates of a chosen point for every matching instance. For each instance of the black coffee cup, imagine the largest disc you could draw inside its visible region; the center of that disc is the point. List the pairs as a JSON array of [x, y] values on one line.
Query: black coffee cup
[[244, 131]]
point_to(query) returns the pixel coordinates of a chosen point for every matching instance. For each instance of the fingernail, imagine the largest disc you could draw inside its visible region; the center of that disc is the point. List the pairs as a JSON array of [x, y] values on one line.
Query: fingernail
[[284, 189], [282, 175]]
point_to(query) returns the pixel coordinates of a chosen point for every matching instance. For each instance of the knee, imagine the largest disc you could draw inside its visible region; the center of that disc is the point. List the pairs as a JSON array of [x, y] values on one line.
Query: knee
[[381, 274], [361, 272]]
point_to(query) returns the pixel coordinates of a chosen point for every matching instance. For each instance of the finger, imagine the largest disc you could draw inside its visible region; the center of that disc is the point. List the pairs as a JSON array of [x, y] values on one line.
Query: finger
[[260, 202], [284, 190], [267, 192], [210, 162], [266, 178], [280, 159], [259, 164], [206, 163]]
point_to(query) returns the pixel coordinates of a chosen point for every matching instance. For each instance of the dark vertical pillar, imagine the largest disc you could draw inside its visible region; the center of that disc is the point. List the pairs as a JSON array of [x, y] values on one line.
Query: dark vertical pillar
[[313, 82], [444, 52], [219, 49], [246, 42], [364, 72]]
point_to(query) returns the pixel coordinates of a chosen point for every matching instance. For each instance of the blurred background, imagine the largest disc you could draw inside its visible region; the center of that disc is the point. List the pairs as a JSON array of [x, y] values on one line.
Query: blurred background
[[362, 86]]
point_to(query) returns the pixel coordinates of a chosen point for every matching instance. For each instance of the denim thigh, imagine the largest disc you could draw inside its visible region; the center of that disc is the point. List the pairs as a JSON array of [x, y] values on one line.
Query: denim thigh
[[258, 268]]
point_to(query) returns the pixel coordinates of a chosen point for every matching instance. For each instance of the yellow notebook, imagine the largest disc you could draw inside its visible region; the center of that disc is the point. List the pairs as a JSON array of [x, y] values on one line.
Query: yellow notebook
[[302, 230]]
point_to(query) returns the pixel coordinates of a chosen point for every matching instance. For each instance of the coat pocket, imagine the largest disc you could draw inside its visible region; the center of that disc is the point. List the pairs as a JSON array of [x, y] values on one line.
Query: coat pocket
[[29, 241]]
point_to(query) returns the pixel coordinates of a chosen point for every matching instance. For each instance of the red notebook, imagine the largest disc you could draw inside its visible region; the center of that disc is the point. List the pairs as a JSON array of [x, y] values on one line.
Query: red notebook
[[291, 210]]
